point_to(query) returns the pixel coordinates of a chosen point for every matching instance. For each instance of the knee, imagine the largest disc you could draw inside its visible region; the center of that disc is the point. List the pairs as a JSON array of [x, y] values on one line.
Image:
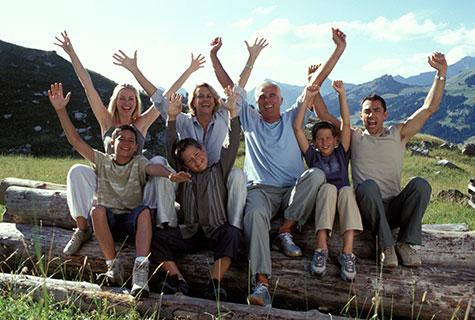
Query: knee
[[98, 212], [77, 171], [316, 176], [253, 216], [421, 185], [328, 188], [346, 191], [367, 187], [238, 177], [233, 234], [159, 160]]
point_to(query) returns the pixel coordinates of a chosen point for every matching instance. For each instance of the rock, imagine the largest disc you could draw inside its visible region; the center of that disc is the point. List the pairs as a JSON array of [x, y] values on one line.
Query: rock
[[452, 195], [37, 128], [447, 164], [426, 144], [80, 116], [7, 116], [35, 101], [448, 146], [415, 150], [469, 149], [49, 64]]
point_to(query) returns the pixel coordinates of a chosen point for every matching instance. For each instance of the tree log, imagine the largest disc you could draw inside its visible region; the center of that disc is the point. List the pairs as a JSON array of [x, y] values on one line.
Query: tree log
[[400, 289], [8, 182], [87, 296]]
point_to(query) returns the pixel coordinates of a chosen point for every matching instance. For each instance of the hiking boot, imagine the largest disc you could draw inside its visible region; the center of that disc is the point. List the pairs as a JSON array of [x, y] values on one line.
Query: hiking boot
[[348, 269], [140, 279], [215, 291], [408, 255], [284, 242], [78, 238], [172, 285], [388, 257], [114, 275], [318, 266], [260, 296]]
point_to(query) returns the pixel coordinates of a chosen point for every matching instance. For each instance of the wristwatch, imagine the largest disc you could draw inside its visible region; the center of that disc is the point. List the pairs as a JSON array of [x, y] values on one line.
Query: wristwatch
[[440, 78]]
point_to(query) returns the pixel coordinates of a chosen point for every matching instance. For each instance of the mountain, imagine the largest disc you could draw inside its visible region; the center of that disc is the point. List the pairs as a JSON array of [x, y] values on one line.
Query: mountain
[[426, 78], [28, 122]]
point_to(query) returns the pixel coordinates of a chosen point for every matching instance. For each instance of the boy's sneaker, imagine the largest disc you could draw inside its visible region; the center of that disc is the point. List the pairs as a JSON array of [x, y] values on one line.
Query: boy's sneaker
[[215, 291], [348, 269], [78, 238], [172, 285], [284, 242], [408, 255], [388, 257], [260, 296], [140, 279], [114, 275], [318, 266]]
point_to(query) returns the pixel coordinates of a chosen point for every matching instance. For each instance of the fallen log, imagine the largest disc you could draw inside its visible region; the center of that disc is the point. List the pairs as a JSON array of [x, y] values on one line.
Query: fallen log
[[8, 182], [88, 296], [447, 290], [49, 208]]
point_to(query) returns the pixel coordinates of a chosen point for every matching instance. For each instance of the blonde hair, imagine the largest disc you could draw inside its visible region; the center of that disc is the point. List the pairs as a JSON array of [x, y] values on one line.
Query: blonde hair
[[213, 93], [112, 108]]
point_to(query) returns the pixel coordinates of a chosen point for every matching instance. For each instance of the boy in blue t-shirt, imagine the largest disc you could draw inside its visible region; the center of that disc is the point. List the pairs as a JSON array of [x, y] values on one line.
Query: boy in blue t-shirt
[[336, 195]]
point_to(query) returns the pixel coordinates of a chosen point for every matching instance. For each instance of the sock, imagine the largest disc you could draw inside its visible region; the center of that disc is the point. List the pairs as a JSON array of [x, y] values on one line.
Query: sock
[[109, 262], [142, 259]]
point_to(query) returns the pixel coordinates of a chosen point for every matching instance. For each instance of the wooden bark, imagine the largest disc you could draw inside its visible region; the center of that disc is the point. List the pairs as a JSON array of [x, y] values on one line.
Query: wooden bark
[[8, 182], [49, 208], [87, 296], [446, 284]]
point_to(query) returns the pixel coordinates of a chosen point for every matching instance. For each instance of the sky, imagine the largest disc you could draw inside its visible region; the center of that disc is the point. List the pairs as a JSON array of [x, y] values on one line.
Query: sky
[[383, 37]]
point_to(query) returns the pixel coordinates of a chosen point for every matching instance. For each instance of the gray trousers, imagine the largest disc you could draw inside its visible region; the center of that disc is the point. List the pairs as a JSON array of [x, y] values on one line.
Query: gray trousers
[[404, 211], [263, 203]]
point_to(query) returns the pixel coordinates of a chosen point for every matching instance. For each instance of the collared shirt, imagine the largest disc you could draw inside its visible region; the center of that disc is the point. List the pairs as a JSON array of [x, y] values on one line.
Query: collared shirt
[[273, 156]]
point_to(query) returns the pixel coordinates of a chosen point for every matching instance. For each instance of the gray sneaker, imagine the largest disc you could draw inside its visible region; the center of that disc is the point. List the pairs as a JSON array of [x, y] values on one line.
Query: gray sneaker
[[408, 255], [348, 269], [113, 276], [260, 296], [78, 238], [318, 266], [140, 279], [388, 257], [284, 242]]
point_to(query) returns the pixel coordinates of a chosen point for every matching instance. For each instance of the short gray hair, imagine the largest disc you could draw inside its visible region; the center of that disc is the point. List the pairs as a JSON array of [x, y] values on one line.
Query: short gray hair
[[266, 84]]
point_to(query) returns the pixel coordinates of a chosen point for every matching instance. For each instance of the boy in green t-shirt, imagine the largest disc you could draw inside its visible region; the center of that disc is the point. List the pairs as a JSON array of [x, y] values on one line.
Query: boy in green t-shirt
[[121, 179]]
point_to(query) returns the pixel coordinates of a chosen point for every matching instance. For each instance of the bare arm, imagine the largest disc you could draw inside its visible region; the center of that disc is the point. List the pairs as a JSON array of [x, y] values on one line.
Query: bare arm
[[339, 38], [254, 51], [162, 171], [59, 103], [417, 120], [223, 78], [102, 115], [121, 59], [196, 64], [299, 132], [345, 127]]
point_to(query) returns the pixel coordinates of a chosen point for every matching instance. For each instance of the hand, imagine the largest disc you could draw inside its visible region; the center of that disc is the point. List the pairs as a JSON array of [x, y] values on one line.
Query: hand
[[312, 72], [338, 86], [339, 37], [124, 61], [311, 91], [232, 98], [438, 62], [65, 43], [56, 97], [215, 45], [179, 177], [174, 106], [257, 47], [197, 63]]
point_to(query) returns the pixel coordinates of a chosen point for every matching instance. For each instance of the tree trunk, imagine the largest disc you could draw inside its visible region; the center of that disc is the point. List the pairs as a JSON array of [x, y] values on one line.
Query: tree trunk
[[8, 182], [448, 284]]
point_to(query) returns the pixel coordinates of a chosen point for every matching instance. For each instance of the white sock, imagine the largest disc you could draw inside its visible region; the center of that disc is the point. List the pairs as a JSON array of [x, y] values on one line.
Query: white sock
[[109, 262], [142, 259]]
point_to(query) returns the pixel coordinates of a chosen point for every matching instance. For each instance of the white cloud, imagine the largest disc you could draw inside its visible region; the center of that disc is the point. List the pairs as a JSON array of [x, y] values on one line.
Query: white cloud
[[459, 52], [263, 11], [395, 66], [210, 24], [243, 24], [460, 36], [383, 65]]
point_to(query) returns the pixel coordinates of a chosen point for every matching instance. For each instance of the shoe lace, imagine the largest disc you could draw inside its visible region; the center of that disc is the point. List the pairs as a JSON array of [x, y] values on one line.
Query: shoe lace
[[407, 248], [319, 257], [260, 289], [287, 237], [349, 263]]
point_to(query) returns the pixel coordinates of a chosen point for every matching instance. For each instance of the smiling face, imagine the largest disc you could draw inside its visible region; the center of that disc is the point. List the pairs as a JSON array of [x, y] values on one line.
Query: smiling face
[[126, 103], [269, 102], [203, 101], [124, 145], [325, 141], [373, 115], [195, 159]]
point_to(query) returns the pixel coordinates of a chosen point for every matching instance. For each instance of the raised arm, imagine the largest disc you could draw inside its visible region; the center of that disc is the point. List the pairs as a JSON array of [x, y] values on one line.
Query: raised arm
[[339, 38], [317, 103], [171, 137], [121, 59], [417, 120], [222, 76], [310, 92], [345, 126], [59, 103], [254, 51], [196, 64], [102, 115]]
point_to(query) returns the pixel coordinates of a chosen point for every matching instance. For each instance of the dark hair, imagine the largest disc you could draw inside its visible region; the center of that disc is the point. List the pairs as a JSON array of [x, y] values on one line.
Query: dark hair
[[373, 97], [181, 146], [323, 125], [123, 127]]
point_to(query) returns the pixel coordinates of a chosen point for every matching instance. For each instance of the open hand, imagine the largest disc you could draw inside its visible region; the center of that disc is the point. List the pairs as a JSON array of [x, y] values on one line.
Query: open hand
[[215, 45], [65, 43], [56, 97], [232, 98], [338, 37], [174, 106], [311, 91], [312, 72], [197, 63], [257, 47], [125, 61], [438, 62], [180, 177]]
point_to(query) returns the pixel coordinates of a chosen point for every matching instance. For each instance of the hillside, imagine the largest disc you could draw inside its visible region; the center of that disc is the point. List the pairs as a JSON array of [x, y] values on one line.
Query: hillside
[[28, 123]]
